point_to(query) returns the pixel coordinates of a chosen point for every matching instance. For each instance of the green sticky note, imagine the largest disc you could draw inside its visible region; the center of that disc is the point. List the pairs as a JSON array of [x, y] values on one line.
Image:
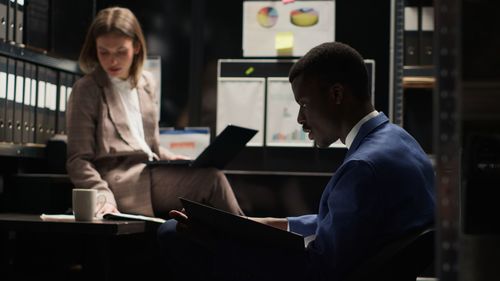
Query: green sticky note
[[249, 70]]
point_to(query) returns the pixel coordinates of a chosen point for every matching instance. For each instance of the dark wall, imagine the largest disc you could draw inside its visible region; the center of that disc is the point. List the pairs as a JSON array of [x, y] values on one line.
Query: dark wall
[[68, 29], [481, 41], [363, 24], [189, 59], [167, 27]]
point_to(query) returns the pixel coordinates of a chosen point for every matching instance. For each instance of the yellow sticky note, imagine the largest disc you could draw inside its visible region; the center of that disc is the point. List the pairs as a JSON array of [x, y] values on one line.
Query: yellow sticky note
[[283, 42]]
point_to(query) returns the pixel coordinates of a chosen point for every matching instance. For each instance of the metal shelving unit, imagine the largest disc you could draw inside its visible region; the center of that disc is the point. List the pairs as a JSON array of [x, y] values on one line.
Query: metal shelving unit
[[444, 79], [20, 150], [39, 58], [396, 65], [447, 136]]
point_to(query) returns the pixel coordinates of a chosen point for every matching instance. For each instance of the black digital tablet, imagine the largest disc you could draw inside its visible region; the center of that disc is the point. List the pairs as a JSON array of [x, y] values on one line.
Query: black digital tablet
[[221, 151]]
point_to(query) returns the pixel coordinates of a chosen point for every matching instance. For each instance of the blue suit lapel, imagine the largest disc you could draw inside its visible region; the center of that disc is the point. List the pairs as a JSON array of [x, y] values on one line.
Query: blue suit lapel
[[365, 129]]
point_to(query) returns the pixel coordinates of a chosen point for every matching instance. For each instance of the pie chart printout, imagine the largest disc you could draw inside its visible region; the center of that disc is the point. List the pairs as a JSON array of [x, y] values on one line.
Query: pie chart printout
[[304, 17], [267, 17]]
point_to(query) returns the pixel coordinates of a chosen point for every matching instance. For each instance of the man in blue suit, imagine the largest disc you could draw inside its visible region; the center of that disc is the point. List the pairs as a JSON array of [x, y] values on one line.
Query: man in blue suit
[[383, 189]]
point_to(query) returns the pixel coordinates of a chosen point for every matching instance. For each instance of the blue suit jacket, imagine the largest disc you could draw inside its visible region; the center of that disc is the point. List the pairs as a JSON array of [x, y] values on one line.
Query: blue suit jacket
[[384, 188]]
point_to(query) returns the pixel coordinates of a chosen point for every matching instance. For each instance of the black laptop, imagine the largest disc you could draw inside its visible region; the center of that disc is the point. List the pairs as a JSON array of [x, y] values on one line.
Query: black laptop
[[221, 151], [234, 226]]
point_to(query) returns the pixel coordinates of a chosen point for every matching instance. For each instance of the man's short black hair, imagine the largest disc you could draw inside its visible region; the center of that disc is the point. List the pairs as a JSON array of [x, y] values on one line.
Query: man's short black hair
[[334, 62]]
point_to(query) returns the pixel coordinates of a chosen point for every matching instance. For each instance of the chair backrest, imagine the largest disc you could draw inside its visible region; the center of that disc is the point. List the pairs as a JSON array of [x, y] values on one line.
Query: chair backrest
[[402, 260]]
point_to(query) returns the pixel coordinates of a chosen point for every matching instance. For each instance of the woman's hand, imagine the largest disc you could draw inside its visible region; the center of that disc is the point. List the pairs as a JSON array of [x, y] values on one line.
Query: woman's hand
[[106, 209], [179, 157], [166, 154]]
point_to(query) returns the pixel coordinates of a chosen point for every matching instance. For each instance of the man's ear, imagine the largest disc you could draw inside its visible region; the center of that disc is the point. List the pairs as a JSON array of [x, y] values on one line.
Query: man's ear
[[337, 93]]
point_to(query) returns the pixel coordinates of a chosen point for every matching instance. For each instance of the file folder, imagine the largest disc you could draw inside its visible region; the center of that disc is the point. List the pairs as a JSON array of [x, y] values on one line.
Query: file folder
[[411, 33], [3, 19], [37, 24], [51, 101], [426, 35], [61, 111], [3, 96], [40, 133], [19, 38], [31, 74], [26, 128], [18, 105], [11, 95], [11, 20], [239, 227], [71, 79]]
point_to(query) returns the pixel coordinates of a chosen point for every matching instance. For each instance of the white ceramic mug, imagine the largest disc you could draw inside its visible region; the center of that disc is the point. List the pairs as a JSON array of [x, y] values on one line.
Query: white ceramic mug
[[86, 203]]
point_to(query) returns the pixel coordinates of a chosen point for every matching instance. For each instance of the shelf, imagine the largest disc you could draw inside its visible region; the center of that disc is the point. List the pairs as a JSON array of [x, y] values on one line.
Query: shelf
[[297, 161], [420, 77], [419, 82], [278, 173], [418, 71], [38, 57], [22, 150]]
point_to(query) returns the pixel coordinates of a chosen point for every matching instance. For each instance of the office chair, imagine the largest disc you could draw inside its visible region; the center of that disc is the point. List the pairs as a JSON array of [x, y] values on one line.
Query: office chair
[[402, 260]]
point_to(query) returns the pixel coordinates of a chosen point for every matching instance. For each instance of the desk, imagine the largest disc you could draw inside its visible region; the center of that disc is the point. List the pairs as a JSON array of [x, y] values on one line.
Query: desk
[[33, 223], [106, 249]]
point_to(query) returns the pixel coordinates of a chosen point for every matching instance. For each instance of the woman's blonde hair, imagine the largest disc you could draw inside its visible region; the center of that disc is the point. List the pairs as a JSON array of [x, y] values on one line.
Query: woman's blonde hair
[[120, 21]]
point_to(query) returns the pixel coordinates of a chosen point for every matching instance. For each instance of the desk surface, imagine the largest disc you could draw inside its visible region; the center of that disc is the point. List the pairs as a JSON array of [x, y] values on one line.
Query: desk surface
[[33, 223]]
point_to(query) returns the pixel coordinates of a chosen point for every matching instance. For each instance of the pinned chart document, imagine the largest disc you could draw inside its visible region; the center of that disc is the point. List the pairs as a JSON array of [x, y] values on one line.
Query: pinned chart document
[[240, 101], [271, 27], [282, 110]]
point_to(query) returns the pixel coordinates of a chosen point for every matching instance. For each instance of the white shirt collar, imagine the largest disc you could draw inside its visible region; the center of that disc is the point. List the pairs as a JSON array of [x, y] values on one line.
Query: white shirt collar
[[120, 84], [130, 101], [354, 131]]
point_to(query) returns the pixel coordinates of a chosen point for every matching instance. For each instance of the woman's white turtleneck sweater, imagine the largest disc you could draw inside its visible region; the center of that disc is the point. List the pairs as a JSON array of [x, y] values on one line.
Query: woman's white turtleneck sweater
[[130, 100]]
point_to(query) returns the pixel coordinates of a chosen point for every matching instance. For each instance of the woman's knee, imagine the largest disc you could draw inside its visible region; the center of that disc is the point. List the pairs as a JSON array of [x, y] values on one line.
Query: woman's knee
[[216, 176], [214, 172]]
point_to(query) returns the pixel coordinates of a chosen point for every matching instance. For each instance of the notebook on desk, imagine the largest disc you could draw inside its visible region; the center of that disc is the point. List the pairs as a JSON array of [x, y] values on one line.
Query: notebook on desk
[[241, 227], [222, 150]]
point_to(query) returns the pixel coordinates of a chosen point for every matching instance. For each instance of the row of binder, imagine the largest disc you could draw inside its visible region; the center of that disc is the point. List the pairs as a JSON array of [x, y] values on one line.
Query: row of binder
[[418, 32], [12, 20], [33, 101]]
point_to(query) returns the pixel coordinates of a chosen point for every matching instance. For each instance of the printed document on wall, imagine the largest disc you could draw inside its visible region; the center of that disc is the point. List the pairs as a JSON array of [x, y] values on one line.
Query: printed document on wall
[[273, 28], [153, 64], [240, 101], [282, 127]]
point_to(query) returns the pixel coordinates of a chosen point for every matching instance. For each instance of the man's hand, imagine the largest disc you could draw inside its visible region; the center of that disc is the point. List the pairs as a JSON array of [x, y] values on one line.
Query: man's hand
[[181, 218], [280, 223]]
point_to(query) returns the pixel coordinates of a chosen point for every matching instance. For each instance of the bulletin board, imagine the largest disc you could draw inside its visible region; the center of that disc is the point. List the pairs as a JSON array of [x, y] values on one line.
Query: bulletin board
[[274, 29]]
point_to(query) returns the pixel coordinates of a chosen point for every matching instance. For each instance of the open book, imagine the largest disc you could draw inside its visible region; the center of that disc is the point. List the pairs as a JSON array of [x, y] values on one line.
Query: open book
[[122, 216]]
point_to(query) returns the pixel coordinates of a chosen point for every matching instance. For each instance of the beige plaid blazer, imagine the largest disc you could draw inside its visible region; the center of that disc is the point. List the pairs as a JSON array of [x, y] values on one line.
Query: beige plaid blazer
[[102, 152]]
